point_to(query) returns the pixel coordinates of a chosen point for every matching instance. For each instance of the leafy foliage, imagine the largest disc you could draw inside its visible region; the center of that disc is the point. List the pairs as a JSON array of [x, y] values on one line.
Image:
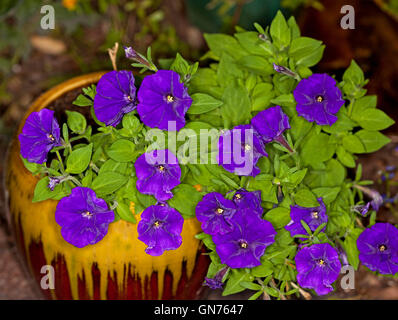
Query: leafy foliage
[[238, 83]]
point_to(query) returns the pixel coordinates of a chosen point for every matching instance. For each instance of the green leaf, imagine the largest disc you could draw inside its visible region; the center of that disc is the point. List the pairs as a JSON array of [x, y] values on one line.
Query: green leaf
[[328, 195], [284, 100], [185, 200], [235, 278], [236, 108], [83, 101], [317, 148], [256, 295], [373, 119], [124, 212], [252, 44], [279, 217], [108, 182], [305, 198], [353, 144], [264, 270], [280, 31], [331, 175], [362, 104], [180, 65], [257, 65], [113, 166], [79, 159], [345, 157], [350, 247], [76, 121], [228, 71], [295, 30], [132, 123], [122, 150], [372, 140], [250, 285], [42, 192], [262, 95], [353, 81], [306, 51], [222, 43], [32, 167], [268, 189], [203, 103]]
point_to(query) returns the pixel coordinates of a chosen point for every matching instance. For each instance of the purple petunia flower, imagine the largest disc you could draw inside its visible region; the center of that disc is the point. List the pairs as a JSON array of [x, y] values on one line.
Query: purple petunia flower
[[361, 209], [318, 99], [314, 217], [130, 53], [378, 247], [270, 124], [285, 71], [245, 199], [246, 243], [160, 229], [116, 96], [157, 173], [239, 151], [216, 282], [84, 218], [163, 98], [318, 266], [53, 182], [39, 135], [215, 212]]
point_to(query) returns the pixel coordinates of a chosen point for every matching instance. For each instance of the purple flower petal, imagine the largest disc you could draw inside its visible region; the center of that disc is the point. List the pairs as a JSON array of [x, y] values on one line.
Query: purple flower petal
[[246, 243], [239, 150], [378, 247], [318, 266], [215, 212], [116, 96], [84, 218], [39, 135], [160, 229], [163, 98], [270, 123], [158, 173], [245, 199], [314, 217], [318, 99]]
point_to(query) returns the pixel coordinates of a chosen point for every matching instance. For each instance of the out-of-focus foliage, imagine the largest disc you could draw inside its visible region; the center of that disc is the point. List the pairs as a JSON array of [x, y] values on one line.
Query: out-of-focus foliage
[[138, 22], [295, 4], [390, 6]]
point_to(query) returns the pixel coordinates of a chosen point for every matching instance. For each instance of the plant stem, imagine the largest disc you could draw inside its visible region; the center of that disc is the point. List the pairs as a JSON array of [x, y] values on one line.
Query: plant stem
[[61, 163]]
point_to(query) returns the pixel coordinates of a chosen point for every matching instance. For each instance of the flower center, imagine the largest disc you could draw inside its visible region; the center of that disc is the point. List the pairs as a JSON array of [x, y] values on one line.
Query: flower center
[[219, 211], [170, 98], [157, 224], [248, 147], [243, 244], [129, 98], [315, 214], [320, 98], [238, 196], [321, 262], [161, 168], [87, 214], [51, 137], [382, 248]]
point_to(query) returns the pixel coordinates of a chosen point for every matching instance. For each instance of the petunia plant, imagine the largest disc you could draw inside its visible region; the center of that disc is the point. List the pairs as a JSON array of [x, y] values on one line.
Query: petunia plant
[[256, 147]]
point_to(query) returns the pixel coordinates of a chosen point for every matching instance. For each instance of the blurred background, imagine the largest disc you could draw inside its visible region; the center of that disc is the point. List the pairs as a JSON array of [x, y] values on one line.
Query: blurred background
[[32, 60]]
